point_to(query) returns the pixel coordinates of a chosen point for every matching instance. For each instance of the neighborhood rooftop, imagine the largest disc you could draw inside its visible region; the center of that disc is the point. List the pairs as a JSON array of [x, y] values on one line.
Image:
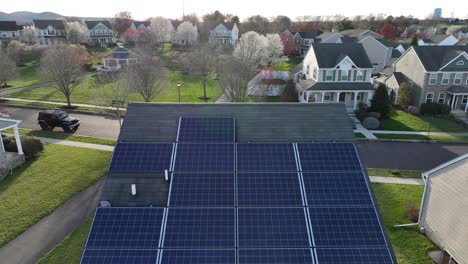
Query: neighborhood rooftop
[[43, 24], [330, 54], [434, 58]]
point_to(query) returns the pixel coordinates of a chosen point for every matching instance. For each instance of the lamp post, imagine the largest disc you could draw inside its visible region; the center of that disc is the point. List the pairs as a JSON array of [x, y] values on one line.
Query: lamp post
[[178, 89]]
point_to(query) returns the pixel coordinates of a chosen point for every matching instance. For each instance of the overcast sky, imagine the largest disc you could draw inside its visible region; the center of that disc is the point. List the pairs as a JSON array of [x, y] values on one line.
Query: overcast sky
[[142, 9]]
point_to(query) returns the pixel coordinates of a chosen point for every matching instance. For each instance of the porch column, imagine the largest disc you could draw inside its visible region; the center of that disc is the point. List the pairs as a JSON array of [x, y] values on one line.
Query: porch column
[[1, 143], [355, 100], [18, 140], [338, 97], [370, 94], [454, 101], [466, 107], [323, 97]]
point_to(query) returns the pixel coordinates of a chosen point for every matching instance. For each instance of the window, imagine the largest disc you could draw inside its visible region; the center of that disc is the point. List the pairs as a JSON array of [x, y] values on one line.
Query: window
[[460, 63], [344, 75], [433, 79], [306, 42], [314, 73], [458, 78], [445, 78], [429, 97], [329, 76], [359, 75], [360, 97], [441, 98], [308, 69], [329, 96], [465, 99]]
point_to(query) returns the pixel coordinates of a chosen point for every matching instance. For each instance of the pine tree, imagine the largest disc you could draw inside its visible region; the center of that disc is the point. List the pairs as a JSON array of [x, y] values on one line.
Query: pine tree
[[414, 41], [380, 103]]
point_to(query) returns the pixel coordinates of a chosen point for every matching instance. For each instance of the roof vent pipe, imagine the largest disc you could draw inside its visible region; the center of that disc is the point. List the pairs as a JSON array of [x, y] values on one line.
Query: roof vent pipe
[[133, 189], [166, 175]]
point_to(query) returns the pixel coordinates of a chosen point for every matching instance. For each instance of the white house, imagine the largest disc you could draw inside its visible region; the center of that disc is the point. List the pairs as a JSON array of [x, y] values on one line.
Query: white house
[[8, 30], [49, 32], [140, 25], [100, 32], [336, 72], [444, 210], [225, 34]]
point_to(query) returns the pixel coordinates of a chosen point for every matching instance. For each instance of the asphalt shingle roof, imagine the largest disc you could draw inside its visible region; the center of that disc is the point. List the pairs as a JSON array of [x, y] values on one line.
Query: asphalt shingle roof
[[435, 57], [139, 23], [310, 34], [92, 24], [228, 25], [458, 89], [8, 26], [327, 54], [43, 24], [312, 85]]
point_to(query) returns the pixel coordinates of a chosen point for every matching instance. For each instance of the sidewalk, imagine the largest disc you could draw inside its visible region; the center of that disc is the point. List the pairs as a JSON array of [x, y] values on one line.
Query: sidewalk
[[76, 144], [396, 180], [19, 89], [62, 104], [424, 133]]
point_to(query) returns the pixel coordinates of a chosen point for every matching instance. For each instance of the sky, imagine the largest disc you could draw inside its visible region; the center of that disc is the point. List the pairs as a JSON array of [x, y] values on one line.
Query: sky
[[142, 9]]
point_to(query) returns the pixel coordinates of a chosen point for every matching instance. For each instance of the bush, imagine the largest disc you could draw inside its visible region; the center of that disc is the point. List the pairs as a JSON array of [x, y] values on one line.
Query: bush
[[413, 110], [404, 95], [371, 123], [435, 109], [381, 101], [445, 109], [361, 113], [289, 93], [374, 114], [31, 146], [412, 212]]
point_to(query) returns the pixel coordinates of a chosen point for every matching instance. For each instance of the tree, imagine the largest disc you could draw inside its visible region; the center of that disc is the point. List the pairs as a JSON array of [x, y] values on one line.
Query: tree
[[28, 34], [344, 25], [147, 77], [62, 65], [380, 103], [256, 23], [414, 41], [15, 50], [76, 32], [234, 78], [122, 21], [388, 31], [289, 43], [404, 95], [7, 69], [161, 30], [274, 49], [187, 33], [281, 23], [200, 61], [251, 49], [209, 21]]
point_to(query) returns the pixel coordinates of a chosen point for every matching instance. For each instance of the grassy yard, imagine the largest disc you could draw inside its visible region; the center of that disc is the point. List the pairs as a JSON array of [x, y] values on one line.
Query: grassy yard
[[359, 135], [40, 186], [394, 173], [71, 248], [400, 120], [287, 65], [409, 244], [421, 137], [25, 75], [55, 106]]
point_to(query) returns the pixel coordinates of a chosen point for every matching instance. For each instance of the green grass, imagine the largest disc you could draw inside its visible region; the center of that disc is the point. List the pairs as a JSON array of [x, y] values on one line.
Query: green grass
[[25, 75], [54, 106], [71, 248], [410, 246], [359, 135], [394, 173], [402, 121], [38, 187], [422, 137], [286, 65]]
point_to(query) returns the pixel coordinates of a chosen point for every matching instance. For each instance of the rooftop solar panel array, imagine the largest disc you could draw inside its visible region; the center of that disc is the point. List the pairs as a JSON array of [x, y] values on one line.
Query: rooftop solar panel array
[[244, 203], [141, 157]]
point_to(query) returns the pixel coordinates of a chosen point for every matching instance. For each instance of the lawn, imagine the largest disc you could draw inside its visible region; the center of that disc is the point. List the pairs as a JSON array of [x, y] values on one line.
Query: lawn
[[38, 187], [402, 121], [55, 106], [394, 173], [25, 75], [286, 65], [359, 135], [409, 244], [71, 248], [422, 137]]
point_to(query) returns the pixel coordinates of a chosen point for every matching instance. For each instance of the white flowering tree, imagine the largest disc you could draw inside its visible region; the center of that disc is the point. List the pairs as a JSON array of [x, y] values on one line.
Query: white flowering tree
[[187, 34], [275, 48], [76, 32], [161, 30], [251, 48], [28, 34]]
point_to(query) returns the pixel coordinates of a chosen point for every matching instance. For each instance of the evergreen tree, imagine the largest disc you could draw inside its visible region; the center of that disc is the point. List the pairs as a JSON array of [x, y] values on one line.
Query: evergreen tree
[[380, 103], [404, 95], [414, 41]]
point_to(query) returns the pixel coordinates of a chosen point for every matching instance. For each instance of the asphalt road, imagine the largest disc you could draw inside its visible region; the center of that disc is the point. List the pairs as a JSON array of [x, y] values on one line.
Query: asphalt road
[[91, 125]]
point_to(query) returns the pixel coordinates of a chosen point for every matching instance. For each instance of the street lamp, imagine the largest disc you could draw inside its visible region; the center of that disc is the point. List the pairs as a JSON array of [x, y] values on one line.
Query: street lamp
[[178, 88]]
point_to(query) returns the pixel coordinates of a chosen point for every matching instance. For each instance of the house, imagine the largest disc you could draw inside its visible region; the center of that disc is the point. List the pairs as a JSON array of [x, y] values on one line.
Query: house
[[434, 40], [49, 32], [186, 36], [100, 32], [463, 42], [437, 74], [329, 37], [8, 30], [336, 72], [305, 40], [224, 34], [359, 34], [461, 33], [119, 58], [140, 26], [443, 215], [381, 52]]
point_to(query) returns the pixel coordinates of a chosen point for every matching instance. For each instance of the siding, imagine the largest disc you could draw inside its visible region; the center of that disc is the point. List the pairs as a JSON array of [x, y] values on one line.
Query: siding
[[410, 65]]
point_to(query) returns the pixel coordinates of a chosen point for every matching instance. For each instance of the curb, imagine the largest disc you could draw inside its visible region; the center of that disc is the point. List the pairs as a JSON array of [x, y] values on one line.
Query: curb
[[84, 112], [414, 141]]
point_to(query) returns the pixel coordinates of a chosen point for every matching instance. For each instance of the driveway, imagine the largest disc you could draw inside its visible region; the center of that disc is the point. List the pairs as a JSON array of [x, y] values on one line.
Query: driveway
[[91, 125]]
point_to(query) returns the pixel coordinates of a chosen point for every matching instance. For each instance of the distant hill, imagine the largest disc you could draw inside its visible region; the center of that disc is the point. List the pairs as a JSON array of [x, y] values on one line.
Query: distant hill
[[27, 17]]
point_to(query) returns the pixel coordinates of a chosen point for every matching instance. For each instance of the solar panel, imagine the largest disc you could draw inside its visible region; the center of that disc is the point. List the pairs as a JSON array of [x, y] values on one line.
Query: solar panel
[[104, 256], [276, 256], [336, 188], [126, 228], [141, 157], [354, 256], [198, 256], [202, 190], [256, 189], [328, 157], [266, 157], [200, 228], [204, 157], [346, 227], [272, 227], [206, 130]]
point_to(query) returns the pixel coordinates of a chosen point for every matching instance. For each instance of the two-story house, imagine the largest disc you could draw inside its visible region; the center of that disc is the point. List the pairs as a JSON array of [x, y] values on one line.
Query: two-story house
[[305, 40], [8, 30], [336, 72], [140, 26], [224, 34], [49, 32], [100, 32], [436, 74], [381, 52], [434, 40]]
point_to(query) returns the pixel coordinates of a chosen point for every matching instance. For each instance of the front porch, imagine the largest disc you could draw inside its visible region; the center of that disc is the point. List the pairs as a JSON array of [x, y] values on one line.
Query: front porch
[[458, 102], [351, 99], [10, 160]]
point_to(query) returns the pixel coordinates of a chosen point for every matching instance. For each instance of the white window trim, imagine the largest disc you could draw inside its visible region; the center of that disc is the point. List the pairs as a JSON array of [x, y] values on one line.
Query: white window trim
[[331, 75], [427, 97], [438, 100], [443, 79], [460, 63], [459, 80], [465, 99], [359, 75], [347, 75], [433, 79]]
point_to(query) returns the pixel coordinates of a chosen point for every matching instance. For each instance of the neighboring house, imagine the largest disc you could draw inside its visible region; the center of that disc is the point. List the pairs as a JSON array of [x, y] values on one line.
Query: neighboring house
[[8, 30], [437, 74], [461, 33], [224, 34], [443, 215], [434, 40], [329, 37], [463, 42], [119, 58], [359, 34], [140, 25], [100, 32], [381, 52], [49, 32], [411, 30], [393, 83], [306, 39], [336, 73]]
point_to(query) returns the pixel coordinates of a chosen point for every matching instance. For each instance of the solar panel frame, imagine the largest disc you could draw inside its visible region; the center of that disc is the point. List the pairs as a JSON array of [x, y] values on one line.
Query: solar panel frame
[[276, 256], [198, 256], [266, 157], [204, 157], [141, 157], [328, 156], [120, 256], [206, 130], [354, 255]]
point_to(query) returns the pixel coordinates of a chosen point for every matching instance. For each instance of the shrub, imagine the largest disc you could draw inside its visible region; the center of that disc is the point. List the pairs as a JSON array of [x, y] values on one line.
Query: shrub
[[361, 113], [381, 101], [374, 114], [289, 93], [371, 123], [412, 212], [404, 95], [413, 110], [11, 146], [31, 146], [445, 109], [395, 172], [435, 109]]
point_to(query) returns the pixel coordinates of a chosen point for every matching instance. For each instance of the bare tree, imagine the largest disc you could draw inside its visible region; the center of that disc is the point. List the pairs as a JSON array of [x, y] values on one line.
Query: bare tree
[[7, 69], [234, 78], [200, 62], [62, 65], [148, 76]]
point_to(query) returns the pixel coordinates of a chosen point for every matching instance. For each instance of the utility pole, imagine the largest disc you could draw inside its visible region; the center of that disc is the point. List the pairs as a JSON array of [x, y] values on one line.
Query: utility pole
[[183, 9]]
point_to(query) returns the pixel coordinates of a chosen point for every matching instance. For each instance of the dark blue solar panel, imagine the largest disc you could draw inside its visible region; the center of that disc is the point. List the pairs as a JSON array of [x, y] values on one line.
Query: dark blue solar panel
[[266, 157], [198, 256], [126, 228], [346, 227], [272, 227], [336, 188], [204, 157], [276, 256], [200, 228], [354, 256], [202, 190], [268, 189], [328, 157], [141, 157], [206, 130], [104, 256]]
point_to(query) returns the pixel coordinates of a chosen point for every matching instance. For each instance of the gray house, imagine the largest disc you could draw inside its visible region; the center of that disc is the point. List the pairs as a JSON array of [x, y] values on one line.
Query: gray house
[[304, 40], [444, 210], [49, 32], [8, 30], [437, 74], [381, 52], [100, 32], [224, 34]]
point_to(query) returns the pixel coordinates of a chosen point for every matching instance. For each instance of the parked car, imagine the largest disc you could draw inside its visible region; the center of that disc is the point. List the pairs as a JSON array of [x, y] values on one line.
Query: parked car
[[50, 119]]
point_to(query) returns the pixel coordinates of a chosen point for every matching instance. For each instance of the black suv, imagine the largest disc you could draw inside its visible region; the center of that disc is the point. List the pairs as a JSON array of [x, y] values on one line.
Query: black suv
[[50, 119]]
